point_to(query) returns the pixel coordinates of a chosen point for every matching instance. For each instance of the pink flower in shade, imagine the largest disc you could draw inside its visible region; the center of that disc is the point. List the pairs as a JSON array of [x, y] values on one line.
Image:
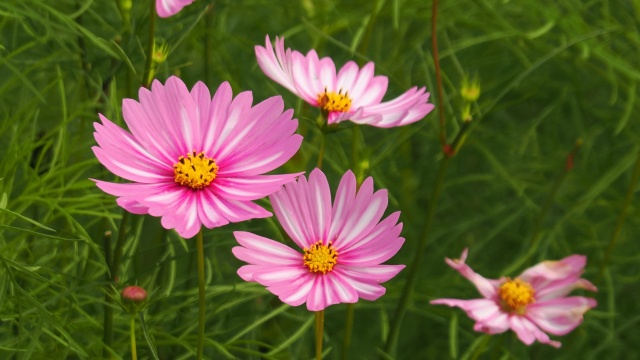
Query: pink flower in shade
[[533, 303], [349, 94], [166, 8], [195, 160], [343, 245]]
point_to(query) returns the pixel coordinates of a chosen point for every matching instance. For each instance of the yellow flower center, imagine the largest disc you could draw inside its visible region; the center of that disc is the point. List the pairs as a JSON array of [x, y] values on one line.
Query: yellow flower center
[[320, 258], [330, 101], [195, 171], [515, 295]]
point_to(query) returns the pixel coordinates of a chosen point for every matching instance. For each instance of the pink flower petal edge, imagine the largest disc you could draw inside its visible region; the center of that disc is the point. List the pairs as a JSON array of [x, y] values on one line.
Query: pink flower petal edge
[[310, 76], [550, 310], [169, 121], [351, 225], [166, 8]]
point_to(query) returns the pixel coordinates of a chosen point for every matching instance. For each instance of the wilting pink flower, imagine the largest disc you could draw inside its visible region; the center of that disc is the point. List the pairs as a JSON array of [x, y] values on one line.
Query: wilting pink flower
[[343, 245], [350, 94], [533, 303], [193, 160], [166, 8]]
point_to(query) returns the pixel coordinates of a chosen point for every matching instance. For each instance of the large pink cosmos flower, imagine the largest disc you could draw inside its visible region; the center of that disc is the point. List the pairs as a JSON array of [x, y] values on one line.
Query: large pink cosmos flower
[[166, 8], [193, 160], [343, 245], [350, 94], [534, 302]]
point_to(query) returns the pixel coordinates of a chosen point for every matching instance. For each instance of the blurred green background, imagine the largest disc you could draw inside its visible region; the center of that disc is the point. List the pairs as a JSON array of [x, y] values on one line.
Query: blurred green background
[[551, 73]]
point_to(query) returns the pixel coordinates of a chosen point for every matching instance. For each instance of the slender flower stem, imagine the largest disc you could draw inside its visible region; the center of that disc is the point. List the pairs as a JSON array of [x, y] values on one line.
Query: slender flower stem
[[407, 291], [348, 330], [107, 329], [323, 141], [319, 333], [148, 74], [201, 298], [436, 59], [621, 217], [134, 355]]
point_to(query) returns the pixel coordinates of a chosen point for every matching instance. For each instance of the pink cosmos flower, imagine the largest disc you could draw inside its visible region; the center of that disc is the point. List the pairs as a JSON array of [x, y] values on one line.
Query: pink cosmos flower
[[196, 161], [350, 94], [533, 303], [166, 8], [343, 245]]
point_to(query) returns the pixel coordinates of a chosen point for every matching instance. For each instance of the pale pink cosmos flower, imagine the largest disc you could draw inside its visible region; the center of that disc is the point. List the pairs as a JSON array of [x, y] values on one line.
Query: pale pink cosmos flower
[[166, 8], [342, 244], [350, 94], [194, 160], [533, 303]]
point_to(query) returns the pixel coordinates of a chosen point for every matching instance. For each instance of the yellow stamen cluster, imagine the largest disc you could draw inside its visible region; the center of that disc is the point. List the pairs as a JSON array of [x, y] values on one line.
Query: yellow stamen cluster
[[515, 295], [320, 258], [330, 101], [195, 171]]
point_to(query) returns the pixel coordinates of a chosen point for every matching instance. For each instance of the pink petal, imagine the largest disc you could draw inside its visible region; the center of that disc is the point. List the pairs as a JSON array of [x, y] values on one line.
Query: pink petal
[[269, 275], [343, 204], [544, 273], [528, 332], [276, 65], [305, 76], [215, 118], [250, 187], [235, 210], [403, 110], [327, 74], [296, 292], [560, 316], [292, 211], [259, 250], [487, 314], [373, 94], [361, 83], [369, 208], [486, 287], [166, 8], [372, 255], [139, 171], [127, 156], [373, 274], [561, 288], [247, 125], [382, 243], [347, 76]]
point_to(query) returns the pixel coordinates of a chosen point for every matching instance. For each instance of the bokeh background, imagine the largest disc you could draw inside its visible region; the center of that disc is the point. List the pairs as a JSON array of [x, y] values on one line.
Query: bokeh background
[[551, 73]]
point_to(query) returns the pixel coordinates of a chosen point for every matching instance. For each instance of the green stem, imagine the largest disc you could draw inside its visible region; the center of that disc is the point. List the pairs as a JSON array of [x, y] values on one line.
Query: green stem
[[323, 141], [407, 291], [621, 217], [319, 333], [134, 355], [348, 330], [107, 330], [201, 297], [148, 74]]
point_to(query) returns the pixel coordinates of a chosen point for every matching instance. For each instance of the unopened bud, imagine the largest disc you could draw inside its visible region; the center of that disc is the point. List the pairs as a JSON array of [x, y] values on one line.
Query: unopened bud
[[470, 90], [134, 294], [160, 52]]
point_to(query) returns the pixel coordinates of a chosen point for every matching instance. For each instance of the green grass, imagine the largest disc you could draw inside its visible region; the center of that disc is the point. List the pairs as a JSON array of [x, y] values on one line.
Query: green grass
[[551, 73]]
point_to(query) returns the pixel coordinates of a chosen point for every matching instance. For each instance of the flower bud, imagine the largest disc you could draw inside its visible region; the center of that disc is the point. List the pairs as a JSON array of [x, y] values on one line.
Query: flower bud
[[134, 294]]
